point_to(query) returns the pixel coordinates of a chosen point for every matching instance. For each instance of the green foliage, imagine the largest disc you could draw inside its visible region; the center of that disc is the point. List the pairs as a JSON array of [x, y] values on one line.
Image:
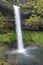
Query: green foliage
[[39, 6], [2, 60], [1, 16], [31, 38], [27, 38], [33, 19], [26, 5], [7, 37], [4, 27], [36, 4]]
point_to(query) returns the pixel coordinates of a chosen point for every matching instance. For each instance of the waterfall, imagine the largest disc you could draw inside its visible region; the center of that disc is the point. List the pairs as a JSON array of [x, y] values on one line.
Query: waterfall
[[18, 28]]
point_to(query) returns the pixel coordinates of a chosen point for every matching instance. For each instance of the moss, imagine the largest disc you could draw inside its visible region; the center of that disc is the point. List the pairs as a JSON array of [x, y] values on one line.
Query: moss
[[7, 37], [35, 38], [29, 38]]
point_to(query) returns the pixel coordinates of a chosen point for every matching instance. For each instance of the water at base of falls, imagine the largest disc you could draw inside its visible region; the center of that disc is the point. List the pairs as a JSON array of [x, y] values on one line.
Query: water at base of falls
[[16, 51], [21, 50], [33, 56]]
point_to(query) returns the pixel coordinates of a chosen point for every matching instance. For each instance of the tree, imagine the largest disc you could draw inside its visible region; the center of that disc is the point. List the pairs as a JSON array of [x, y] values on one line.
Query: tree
[[32, 20], [38, 5]]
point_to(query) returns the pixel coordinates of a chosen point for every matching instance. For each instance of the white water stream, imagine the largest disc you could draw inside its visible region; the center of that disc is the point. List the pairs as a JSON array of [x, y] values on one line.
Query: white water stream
[[18, 28]]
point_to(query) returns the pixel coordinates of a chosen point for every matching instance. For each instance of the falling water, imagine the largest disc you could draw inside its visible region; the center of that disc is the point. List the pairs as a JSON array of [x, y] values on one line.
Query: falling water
[[18, 28]]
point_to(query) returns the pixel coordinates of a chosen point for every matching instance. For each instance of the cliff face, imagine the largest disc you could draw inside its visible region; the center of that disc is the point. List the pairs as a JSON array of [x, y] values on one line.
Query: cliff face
[[6, 8], [5, 4]]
